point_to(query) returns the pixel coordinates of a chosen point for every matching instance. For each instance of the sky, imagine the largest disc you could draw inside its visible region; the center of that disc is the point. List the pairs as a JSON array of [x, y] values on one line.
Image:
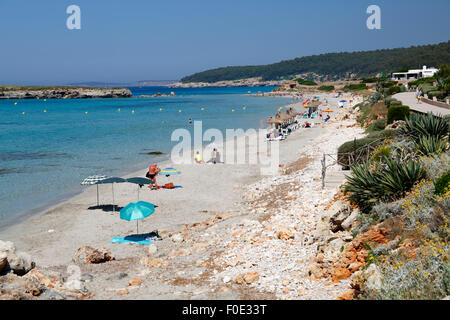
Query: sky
[[126, 41]]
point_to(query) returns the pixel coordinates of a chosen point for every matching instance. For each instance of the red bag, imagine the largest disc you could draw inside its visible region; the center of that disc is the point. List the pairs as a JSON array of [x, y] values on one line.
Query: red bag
[[169, 185]]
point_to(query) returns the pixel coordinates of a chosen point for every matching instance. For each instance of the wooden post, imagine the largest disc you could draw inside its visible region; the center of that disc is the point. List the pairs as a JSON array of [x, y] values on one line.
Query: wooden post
[[324, 168]]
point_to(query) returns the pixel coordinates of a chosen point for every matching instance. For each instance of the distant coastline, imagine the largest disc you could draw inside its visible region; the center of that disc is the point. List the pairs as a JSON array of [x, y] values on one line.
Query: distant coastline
[[61, 92], [249, 82]]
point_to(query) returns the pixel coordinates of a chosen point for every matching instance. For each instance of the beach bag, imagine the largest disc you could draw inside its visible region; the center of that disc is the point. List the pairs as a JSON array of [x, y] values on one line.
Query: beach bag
[[169, 185], [147, 174]]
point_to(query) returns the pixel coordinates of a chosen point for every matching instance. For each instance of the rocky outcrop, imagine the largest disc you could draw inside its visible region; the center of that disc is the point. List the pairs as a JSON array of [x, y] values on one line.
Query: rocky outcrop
[[18, 262], [63, 93], [89, 255], [157, 95]]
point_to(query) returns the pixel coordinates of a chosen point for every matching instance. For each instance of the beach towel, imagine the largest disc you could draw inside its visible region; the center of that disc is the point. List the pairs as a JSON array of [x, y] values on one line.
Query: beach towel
[[135, 238], [164, 187]]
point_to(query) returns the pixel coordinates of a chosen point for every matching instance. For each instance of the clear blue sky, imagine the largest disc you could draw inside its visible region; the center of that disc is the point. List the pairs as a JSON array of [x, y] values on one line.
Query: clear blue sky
[[122, 41]]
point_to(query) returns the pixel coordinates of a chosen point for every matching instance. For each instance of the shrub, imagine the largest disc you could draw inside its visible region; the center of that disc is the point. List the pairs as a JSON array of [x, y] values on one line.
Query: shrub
[[394, 90], [383, 134], [426, 125], [359, 86], [397, 113], [344, 159], [442, 184], [305, 82], [388, 84], [428, 145], [326, 88], [389, 101], [377, 125], [436, 93]]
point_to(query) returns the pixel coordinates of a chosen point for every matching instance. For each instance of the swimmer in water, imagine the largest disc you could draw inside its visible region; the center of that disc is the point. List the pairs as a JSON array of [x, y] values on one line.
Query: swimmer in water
[[190, 121]]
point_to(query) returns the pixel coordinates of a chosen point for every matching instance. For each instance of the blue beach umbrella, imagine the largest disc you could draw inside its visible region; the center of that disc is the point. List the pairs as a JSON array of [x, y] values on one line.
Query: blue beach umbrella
[[343, 101], [136, 211]]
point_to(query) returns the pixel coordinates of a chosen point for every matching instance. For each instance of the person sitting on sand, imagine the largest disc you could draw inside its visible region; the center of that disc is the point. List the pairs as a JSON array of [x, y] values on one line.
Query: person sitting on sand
[[151, 174], [215, 156], [198, 157]]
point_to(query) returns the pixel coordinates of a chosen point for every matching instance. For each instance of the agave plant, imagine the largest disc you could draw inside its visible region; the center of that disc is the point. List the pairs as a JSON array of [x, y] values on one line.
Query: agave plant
[[426, 125], [363, 186], [399, 177], [387, 182], [427, 145]]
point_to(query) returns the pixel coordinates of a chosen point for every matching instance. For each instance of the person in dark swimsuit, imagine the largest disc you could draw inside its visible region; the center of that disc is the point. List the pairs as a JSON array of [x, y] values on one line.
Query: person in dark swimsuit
[[151, 174]]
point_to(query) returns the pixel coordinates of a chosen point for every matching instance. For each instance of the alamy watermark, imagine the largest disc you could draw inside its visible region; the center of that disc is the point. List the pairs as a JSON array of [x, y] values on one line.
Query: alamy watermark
[[237, 147], [74, 20], [374, 20]]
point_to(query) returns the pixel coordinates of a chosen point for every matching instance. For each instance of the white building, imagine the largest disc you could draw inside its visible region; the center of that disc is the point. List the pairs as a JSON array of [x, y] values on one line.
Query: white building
[[415, 74]]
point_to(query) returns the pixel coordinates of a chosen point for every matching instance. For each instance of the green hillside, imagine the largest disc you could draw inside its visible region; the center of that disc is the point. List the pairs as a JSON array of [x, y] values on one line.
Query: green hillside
[[335, 65]]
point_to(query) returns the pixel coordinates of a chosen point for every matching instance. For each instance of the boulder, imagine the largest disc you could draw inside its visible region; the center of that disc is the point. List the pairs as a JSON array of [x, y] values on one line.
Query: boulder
[[20, 263], [333, 250], [247, 278], [368, 279], [89, 255], [11, 260], [351, 219], [3, 261], [337, 214]]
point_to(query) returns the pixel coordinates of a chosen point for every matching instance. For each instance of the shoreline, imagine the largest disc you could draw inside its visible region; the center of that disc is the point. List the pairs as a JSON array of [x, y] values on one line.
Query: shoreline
[[77, 190]]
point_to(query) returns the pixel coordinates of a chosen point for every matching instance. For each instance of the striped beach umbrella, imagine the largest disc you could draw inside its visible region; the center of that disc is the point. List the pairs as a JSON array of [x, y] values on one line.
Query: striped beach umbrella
[[93, 180], [169, 171]]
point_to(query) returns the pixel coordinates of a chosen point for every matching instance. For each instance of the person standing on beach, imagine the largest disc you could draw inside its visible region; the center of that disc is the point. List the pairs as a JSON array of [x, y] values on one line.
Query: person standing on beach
[[153, 170]]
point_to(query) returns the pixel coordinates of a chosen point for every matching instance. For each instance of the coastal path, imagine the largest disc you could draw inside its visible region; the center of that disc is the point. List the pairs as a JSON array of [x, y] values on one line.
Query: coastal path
[[409, 99]]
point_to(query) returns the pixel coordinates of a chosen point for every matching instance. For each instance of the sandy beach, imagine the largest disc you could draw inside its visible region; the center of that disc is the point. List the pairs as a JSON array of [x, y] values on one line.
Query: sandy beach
[[216, 206]]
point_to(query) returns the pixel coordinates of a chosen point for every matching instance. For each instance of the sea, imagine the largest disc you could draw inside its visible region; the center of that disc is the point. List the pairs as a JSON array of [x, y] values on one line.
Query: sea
[[48, 147]]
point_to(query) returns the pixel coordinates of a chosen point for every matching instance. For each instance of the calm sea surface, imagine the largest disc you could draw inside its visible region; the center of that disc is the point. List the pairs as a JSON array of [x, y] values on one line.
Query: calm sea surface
[[48, 147]]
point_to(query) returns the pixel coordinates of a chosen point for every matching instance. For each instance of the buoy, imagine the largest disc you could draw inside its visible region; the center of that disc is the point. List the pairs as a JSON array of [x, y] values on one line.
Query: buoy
[[45, 110], [243, 108], [15, 103], [232, 110], [132, 111], [86, 112], [23, 112], [179, 110], [118, 109], [202, 109], [160, 109], [45, 99]]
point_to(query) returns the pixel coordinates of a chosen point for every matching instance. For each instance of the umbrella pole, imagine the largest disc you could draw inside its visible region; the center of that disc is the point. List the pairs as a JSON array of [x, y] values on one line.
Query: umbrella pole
[[114, 210], [137, 226], [138, 192], [97, 196]]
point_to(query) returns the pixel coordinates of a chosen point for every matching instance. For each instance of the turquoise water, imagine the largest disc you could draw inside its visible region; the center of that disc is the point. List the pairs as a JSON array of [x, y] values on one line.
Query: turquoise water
[[45, 155]]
